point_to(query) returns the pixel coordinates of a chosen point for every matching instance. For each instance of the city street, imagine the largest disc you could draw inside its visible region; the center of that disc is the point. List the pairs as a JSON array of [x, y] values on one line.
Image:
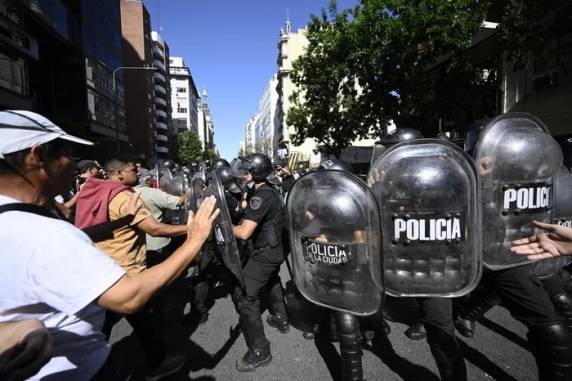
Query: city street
[[496, 353]]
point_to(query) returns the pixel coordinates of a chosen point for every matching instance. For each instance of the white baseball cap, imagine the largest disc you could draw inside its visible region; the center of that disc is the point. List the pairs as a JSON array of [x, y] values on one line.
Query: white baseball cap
[[21, 129]]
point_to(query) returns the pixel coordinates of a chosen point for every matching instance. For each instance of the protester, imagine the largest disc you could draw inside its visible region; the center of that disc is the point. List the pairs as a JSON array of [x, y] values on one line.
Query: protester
[[106, 200], [158, 249], [557, 242], [51, 271]]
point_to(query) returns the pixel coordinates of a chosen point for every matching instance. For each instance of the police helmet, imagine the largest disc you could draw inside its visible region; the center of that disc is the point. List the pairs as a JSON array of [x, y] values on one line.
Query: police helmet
[[259, 166], [401, 135], [336, 165], [229, 180], [219, 163]]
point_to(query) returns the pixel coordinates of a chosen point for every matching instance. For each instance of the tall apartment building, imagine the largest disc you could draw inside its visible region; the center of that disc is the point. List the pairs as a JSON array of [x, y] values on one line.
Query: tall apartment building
[[57, 58], [184, 97], [206, 124], [250, 135], [264, 135], [162, 95], [139, 86], [291, 45]]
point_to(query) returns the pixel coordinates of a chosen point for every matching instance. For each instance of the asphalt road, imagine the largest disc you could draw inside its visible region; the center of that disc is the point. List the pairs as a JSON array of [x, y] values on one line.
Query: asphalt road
[[497, 352]]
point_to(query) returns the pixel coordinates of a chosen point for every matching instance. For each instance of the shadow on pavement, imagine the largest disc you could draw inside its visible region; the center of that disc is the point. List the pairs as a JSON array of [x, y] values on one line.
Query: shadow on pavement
[[499, 329], [481, 361], [407, 370], [129, 349]]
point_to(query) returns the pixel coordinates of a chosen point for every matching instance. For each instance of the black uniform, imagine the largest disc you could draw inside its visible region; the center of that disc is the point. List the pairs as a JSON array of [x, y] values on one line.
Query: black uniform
[[263, 264], [210, 268]]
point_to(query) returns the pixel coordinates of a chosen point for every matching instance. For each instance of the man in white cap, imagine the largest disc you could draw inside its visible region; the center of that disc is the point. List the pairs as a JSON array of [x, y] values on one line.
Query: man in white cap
[[51, 271]]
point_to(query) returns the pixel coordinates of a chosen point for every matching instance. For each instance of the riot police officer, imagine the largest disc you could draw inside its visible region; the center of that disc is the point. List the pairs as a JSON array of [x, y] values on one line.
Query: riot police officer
[[219, 164], [436, 312], [508, 156], [263, 224], [209, 270]]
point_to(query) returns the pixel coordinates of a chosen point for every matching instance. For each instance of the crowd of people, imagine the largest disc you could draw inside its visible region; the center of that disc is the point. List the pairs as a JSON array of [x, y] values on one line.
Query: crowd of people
[[77, 262]]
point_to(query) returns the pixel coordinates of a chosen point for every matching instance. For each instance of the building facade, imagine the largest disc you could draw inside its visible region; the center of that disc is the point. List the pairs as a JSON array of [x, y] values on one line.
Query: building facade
[[250, 135], [57, 58], [138, 83], [264, 135], [206, 130], [292, 45], [162, 95], [184, 97]]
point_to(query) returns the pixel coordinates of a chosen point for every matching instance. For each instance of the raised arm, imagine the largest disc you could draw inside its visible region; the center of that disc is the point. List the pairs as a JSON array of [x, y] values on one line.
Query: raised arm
[[131, 293]]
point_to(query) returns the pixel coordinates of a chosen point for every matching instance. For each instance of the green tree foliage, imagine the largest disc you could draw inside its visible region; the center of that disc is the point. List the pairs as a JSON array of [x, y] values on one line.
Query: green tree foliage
[[212, 154], [526, 27], [409, 62], [186, 147], [364, 67]]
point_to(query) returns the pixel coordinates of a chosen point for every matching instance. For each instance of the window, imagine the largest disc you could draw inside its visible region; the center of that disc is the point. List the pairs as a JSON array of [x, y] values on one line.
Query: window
[[182, 110], [8, 9], [13, 74], [181, 90]]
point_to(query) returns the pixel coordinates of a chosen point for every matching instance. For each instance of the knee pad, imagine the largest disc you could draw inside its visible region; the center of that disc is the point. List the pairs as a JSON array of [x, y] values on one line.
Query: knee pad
[[563, 302]]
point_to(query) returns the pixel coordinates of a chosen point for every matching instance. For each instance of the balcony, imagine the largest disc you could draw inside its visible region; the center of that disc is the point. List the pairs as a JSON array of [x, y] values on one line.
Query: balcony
[[162, 138], [160, 77], [158, 52], [160, 101], [161, 125], [161, 113], [158, 64], [160, 89], [161, 149]]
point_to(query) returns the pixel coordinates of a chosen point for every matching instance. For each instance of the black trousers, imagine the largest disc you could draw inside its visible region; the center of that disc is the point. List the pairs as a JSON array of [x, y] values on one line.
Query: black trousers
[[437, 317], [524, 295], [157, 324], [261, 280]]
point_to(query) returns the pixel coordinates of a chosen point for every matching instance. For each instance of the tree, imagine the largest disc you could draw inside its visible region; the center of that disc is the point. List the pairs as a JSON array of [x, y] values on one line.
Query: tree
[[212, 154], [365, 67], [186, 147], [410, 62]]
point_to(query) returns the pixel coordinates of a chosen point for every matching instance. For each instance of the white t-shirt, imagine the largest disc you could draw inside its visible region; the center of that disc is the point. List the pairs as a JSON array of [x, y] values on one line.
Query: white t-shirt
[[51, 271]]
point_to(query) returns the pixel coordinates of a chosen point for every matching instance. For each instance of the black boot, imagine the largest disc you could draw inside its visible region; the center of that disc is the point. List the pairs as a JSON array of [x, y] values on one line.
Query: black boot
[[253, 359], [473, 309], [416, 331], [350, 346], [278, 321], [552, 349]]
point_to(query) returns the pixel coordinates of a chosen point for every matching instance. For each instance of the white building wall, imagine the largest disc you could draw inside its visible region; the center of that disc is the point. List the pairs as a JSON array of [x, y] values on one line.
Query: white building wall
[[292, 45], [265, 125], [180, 95]]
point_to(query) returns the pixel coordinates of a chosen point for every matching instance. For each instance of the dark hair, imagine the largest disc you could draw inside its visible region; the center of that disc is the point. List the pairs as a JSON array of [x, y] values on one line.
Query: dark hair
[[117, 163], [13, 162]]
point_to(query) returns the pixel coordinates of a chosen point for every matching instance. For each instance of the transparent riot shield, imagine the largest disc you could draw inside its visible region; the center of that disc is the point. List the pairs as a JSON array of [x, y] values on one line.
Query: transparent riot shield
[[429, 204], [335, 242], [175, 182], [196, 194], [376, 152], [517, 160], [222, 229], [562, 215]]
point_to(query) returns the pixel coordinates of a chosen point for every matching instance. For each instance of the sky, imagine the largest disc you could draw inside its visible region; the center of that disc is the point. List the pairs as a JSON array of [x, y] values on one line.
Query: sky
[[231, 49]]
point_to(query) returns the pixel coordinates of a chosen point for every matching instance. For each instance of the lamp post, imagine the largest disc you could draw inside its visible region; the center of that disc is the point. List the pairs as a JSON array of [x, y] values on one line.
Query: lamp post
[[114, 94]]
